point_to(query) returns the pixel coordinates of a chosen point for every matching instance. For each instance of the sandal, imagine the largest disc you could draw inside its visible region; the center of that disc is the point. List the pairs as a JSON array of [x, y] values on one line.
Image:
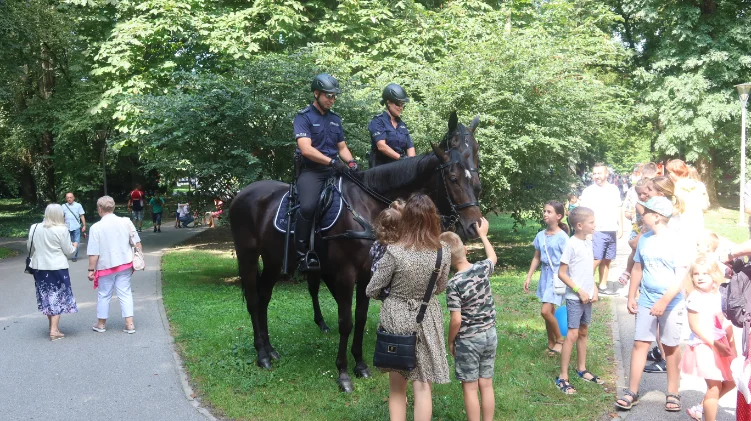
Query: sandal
[[130, 329], [593, 379], [696, 412], [552, 352], [96, 328], [673, 399], [55, 336], [624, 278], [630, 398], [564, 386]]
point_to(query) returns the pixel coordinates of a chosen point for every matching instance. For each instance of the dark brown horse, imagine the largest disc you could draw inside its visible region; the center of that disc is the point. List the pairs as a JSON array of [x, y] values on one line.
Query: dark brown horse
[[345, 263]]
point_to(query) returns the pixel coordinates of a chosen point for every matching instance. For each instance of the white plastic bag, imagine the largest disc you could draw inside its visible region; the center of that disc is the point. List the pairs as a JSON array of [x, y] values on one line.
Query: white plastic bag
[[741, 375]]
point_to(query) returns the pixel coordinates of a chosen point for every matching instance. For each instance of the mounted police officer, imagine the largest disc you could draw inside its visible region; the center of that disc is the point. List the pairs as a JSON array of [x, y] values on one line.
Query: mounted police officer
[[320, 141], [388, 133]]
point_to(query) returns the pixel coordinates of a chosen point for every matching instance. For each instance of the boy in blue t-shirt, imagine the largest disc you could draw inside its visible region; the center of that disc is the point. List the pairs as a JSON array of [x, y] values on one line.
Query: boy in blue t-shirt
[[660, 263]]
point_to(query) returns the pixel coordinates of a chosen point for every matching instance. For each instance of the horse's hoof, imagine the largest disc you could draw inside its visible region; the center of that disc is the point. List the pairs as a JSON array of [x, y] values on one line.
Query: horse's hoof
[[362, 373], [274, 355], [264, 363], [324, 327], [346, 385]]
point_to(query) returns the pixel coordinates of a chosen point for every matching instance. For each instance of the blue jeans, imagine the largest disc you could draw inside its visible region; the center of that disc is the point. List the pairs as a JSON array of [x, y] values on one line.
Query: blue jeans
[[187, 219], [75, 236]]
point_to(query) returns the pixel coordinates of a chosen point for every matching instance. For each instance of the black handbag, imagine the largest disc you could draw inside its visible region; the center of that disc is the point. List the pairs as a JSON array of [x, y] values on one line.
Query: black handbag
[[399, 351], [28, 269]]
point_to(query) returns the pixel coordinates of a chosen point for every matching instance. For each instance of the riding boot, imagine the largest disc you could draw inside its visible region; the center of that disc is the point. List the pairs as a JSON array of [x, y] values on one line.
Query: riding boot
[[308, 258]]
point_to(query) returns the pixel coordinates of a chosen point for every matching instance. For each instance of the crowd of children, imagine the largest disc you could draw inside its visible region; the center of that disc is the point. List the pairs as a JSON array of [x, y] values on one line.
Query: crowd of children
[[672, 278], [673, 274]]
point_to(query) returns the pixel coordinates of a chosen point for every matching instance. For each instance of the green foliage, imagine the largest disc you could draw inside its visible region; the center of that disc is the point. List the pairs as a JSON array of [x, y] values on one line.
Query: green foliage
[[687, 58], [209, 89]]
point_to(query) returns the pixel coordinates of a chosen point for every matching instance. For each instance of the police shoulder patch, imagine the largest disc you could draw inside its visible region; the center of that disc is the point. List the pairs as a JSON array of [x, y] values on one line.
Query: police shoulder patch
[[304, 110]]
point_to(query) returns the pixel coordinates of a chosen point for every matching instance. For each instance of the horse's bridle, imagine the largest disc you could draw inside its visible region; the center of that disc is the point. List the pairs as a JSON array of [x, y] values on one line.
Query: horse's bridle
[[454, 216]]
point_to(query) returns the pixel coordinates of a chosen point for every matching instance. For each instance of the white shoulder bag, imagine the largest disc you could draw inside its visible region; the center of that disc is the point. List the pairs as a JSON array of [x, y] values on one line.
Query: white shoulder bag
[[138, 262], [558, 286]]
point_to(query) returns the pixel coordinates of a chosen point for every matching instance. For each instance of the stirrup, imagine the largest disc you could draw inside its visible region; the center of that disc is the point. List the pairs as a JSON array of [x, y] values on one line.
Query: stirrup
[[310, 262]]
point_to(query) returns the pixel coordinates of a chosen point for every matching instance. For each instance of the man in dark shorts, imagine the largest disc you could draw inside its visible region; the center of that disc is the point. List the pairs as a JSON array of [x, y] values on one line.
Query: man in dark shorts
[[605, 200]]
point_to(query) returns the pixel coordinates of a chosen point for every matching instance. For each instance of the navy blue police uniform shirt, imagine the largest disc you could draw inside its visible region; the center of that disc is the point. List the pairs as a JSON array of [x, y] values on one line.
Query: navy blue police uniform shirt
[[324, 130], [398, 138]]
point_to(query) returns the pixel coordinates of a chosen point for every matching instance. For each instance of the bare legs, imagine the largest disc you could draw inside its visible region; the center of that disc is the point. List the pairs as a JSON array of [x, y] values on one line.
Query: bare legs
[[715, 390], [472, 403], [54, 321], [555, 339], [639, 360], [398, 399], [578, 337], [603, 267], [423, 400]]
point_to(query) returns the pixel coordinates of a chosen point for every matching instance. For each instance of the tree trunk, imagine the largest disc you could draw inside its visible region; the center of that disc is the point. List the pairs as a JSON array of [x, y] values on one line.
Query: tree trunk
[[46, 88], [28, 184], [706, 171]]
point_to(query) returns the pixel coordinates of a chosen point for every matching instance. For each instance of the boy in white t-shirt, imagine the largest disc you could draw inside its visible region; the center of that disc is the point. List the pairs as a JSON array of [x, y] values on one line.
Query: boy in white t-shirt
[[576, 272]]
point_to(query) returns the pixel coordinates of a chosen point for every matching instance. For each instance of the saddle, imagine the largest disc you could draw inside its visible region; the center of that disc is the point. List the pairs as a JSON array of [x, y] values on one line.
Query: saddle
[[328, 210]]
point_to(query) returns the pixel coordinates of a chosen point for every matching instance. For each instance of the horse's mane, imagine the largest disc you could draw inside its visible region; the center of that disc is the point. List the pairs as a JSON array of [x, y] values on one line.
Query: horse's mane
[[396, 175]]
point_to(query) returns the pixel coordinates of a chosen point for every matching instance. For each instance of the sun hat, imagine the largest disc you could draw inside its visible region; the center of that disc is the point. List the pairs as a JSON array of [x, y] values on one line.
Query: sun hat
[[660, 205]]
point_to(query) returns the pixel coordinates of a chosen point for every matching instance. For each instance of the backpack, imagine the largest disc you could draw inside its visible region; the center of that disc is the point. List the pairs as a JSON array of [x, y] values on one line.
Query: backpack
[[736, 300]]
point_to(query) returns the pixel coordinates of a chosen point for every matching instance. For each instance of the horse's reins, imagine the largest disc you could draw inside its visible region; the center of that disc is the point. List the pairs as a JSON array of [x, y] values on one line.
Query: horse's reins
[[441, 168]]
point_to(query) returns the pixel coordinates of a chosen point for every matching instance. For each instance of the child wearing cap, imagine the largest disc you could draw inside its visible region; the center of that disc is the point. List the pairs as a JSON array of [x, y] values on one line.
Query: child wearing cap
[[659, 266]]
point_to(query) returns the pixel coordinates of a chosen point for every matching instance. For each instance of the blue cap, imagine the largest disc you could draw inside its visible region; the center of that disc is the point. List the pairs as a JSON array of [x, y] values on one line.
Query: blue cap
[[660, 205]]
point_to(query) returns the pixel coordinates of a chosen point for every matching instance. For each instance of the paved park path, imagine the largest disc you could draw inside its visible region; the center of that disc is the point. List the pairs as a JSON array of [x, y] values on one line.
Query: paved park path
[[89, 375], [653, 386]]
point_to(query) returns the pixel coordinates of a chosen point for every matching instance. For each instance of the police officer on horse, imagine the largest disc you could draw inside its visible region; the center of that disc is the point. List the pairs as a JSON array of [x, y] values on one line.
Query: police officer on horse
[[320, 141], [389, 134]]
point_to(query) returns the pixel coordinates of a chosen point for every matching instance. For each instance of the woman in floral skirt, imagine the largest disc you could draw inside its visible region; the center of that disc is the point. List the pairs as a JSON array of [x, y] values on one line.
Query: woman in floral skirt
[[50, 246]]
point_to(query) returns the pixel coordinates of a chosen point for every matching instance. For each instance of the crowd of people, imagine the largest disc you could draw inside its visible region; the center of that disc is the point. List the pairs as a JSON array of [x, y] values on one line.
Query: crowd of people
[[673, 276]]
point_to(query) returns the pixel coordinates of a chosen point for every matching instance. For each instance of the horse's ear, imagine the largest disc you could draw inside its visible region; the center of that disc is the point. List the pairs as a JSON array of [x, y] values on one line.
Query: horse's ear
[[473, 125], [453, 121], [443, 156]]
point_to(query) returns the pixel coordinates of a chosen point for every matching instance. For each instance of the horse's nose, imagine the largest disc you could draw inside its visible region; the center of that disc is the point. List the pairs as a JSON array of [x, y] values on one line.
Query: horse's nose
[[472, 231]]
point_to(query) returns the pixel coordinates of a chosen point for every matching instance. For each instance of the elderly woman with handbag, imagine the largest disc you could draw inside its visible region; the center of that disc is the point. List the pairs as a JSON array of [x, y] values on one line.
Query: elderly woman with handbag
[[49, 248], [113, 243], [416, 268]]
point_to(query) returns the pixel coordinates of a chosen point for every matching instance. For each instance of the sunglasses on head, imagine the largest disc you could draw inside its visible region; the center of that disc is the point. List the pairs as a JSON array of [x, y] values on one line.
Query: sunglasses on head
[[330, 95]]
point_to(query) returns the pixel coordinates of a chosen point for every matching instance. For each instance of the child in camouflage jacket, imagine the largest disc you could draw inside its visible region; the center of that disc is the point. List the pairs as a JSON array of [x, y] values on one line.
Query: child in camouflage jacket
[[472, 335]]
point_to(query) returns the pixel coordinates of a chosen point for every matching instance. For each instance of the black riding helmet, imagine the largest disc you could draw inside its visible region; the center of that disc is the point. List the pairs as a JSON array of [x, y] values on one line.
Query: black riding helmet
[[325, 83], [394, 93]]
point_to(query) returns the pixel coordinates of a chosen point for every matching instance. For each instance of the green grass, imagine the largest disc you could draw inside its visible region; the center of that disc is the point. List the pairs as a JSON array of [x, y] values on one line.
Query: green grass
[[724, 222], [6, 252], [214, 333], [15, 218]]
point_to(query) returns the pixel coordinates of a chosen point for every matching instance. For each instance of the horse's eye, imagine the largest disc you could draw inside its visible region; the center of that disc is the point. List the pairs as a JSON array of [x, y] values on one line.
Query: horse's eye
[[454, 179]]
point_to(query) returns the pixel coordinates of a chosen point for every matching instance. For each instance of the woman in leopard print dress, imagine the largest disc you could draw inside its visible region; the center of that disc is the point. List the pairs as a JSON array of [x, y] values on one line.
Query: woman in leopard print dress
[[407, 266]]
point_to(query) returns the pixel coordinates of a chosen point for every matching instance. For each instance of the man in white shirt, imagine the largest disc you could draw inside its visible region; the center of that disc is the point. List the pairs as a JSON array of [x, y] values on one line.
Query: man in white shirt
[[605, 200], [74, 219]]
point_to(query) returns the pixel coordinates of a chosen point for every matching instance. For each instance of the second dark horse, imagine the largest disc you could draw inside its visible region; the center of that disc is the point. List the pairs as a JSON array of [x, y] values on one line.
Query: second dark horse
[[345, 263]]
